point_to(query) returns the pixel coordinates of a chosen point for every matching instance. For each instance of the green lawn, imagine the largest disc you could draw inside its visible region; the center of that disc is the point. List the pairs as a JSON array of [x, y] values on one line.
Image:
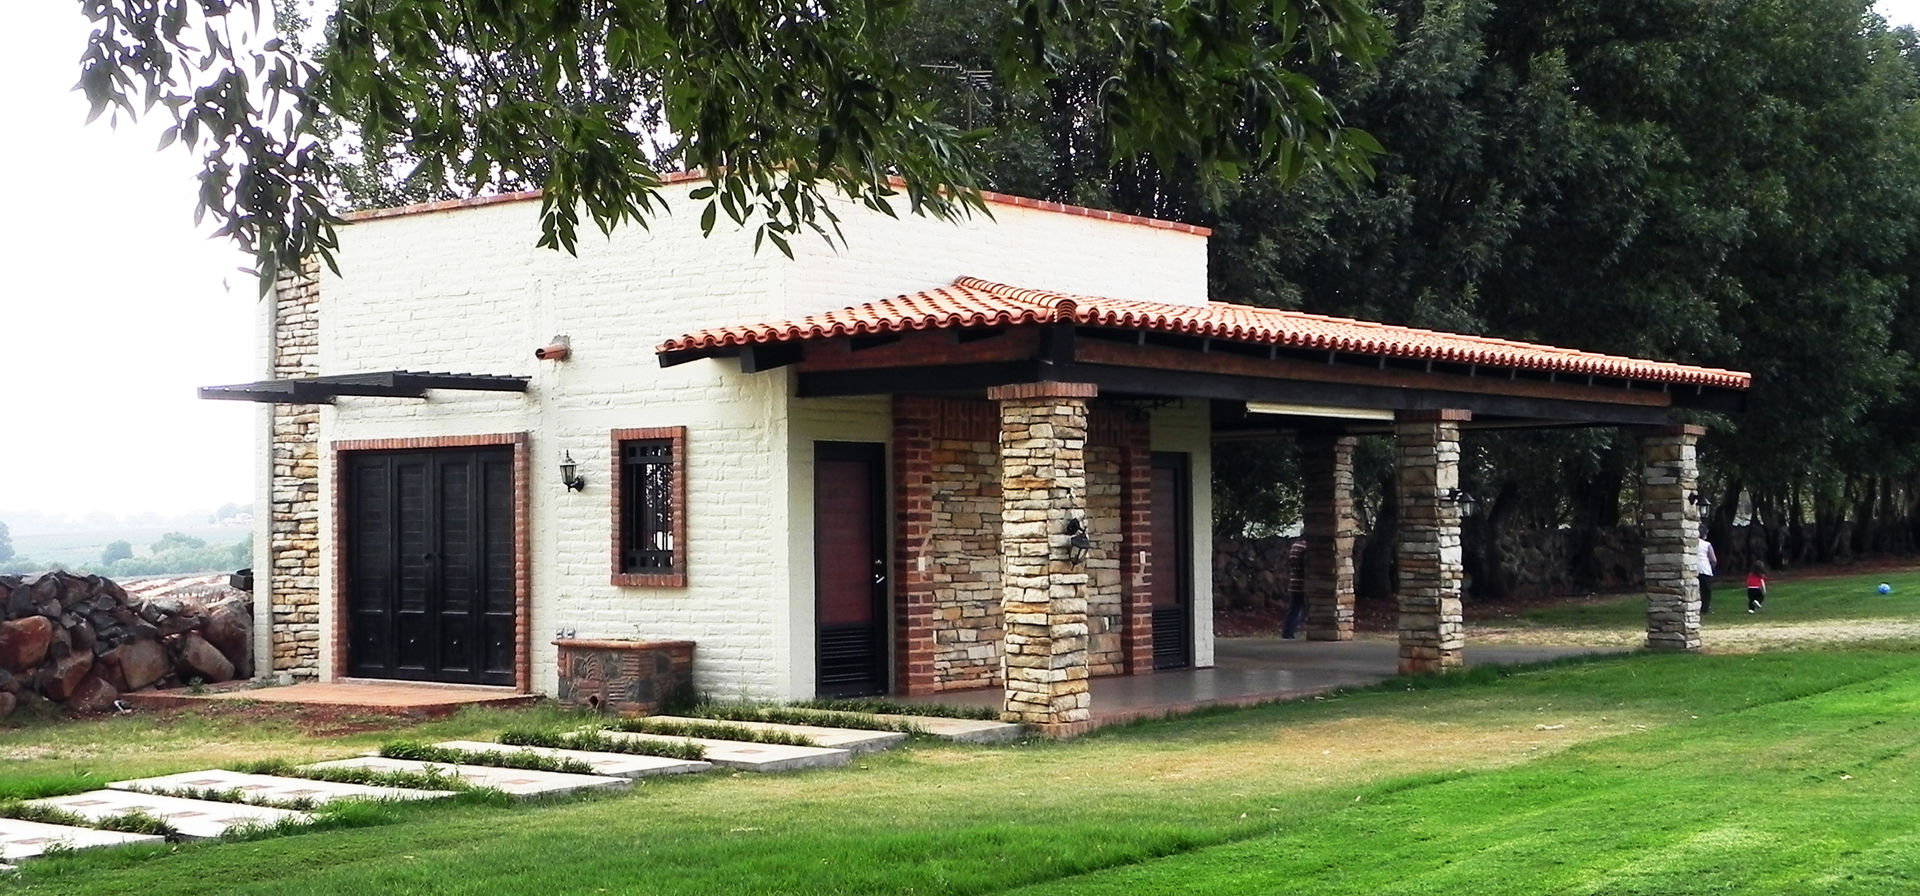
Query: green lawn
[[1790, 599], [1775, 772]]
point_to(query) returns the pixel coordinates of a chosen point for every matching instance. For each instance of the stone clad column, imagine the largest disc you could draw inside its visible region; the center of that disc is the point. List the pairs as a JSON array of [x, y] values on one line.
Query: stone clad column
[[1431, 574], [1669, 474], [1326, 468], [292, 579], [1043, 438]]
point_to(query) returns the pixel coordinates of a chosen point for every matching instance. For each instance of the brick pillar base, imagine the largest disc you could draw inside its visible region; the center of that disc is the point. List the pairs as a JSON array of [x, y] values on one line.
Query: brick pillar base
[[1431, 574], [1043, 434], [1669, 474], [1326, 467]]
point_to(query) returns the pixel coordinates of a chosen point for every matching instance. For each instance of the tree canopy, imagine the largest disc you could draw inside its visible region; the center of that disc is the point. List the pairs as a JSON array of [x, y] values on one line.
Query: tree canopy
[[774, 101]]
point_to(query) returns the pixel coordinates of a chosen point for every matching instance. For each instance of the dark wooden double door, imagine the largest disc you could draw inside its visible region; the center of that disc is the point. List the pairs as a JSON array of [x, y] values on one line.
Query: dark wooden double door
[[430, 565]]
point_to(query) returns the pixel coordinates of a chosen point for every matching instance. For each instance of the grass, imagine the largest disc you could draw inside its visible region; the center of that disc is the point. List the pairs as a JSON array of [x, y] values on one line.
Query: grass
[[1777, 772], [1790, 599]]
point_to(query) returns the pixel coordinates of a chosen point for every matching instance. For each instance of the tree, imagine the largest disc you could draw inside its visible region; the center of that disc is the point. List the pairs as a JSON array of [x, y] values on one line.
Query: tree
[[776, 103], [116, 551], [6, 544], [178, 541]]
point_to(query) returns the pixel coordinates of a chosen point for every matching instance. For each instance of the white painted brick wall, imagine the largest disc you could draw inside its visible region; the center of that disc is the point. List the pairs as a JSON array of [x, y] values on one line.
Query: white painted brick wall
[[465, 291]]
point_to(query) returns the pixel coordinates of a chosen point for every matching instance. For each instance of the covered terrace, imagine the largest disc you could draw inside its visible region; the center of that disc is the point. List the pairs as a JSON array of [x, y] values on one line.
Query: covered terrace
[[1043, 358]]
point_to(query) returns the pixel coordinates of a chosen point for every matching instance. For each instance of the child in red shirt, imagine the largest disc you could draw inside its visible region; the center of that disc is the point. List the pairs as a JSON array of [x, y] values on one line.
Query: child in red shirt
[[1756, 586]]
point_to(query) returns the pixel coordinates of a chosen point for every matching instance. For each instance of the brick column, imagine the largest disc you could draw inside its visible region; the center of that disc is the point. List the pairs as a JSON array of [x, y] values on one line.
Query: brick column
[[1043, 430], [1326, 469], [1431, 573], [293, 523], [1669, 474], [913, 588]]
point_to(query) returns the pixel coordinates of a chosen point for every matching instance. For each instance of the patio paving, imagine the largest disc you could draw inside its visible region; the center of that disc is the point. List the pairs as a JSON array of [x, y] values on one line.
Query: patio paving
[[966, 731], [515, 782], [853, 740], [613, 765], [381, 697], [194, 819], [21, 839], [1251, 671], [753, 757], [275, 789]]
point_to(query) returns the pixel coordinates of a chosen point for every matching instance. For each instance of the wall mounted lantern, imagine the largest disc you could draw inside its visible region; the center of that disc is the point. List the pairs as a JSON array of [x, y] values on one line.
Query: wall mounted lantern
[[568, 473], [1468, 503], [1078, 543]]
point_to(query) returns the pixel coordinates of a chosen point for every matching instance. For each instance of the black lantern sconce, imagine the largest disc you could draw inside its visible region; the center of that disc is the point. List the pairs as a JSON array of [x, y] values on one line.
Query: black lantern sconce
[[568, 473], [1078, 544], [1468, 503]]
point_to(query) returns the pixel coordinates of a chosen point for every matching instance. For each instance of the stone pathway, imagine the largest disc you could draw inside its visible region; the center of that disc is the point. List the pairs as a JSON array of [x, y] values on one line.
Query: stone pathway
[[199, 819], [274, 789], [20, 839], [518, 783], [752, 757], [853, 740], [613, 765], [194, 819]]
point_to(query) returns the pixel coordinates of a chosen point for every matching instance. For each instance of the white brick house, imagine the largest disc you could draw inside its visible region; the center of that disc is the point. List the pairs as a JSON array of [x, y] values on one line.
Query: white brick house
[[863, 461]]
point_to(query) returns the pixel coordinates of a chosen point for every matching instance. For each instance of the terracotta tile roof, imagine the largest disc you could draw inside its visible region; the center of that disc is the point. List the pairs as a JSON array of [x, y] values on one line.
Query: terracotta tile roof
[[971, 303]]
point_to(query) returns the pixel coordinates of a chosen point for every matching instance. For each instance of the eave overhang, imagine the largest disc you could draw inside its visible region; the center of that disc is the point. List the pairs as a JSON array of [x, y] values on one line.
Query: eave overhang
[[379, 384]]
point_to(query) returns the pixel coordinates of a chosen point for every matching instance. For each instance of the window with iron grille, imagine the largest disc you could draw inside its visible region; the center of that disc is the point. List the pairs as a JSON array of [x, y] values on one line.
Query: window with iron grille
[[650, 509]]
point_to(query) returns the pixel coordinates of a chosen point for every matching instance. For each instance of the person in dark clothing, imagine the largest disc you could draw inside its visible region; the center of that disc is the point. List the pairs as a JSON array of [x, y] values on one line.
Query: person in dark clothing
[[1296, 589]]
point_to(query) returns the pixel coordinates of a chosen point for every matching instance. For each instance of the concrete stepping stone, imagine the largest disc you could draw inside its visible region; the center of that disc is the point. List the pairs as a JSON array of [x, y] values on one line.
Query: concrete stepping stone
[[613, 765], [519, 783], [966, 731], [853, 740], [21, 839], [275, 789], [753, 757], [194, 819]]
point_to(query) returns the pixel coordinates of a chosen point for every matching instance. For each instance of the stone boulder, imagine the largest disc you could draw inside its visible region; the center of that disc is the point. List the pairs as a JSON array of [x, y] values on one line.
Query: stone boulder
[[199, 659], [7, 703], [24, 642], [92, 694], [61, 678], [135, 664], [230, 628]]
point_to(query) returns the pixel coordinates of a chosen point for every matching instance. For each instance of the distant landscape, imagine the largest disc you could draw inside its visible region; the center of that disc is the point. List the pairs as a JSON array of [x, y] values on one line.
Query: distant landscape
[[125, 547]]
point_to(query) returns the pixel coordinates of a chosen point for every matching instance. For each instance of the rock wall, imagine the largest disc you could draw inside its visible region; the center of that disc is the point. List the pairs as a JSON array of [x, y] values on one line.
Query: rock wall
[[82, 641]]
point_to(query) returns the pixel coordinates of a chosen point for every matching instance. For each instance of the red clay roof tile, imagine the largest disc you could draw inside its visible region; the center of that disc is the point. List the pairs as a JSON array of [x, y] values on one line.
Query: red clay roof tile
[[971, 302]]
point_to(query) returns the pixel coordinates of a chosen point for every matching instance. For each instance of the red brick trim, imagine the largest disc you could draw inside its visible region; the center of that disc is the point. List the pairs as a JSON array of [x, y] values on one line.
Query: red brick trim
[[680, 177], [915, 420], [677, 578], [1136, 581], [1083, 212], [1049, 389], [522, 542]]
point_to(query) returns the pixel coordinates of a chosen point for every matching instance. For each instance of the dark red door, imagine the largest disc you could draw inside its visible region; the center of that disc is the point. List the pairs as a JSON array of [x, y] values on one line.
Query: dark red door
[[429, 565], [850, 568], [1172, 587]]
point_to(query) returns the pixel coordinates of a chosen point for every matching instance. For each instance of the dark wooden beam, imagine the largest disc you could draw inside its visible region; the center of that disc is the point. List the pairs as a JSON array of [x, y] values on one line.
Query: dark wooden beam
[[768, 356], [378, 384]]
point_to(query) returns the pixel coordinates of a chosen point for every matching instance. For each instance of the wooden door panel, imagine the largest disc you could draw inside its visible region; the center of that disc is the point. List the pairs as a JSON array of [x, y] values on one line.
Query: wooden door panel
[[1172, 583], [849, 570], [430, 589]]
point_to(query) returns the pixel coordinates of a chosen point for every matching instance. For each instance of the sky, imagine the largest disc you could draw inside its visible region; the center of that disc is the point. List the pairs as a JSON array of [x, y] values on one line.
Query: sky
[[114, 307]]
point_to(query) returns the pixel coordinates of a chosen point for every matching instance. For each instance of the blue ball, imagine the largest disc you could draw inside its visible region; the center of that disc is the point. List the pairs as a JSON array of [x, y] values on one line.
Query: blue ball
[[1886, 588]]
